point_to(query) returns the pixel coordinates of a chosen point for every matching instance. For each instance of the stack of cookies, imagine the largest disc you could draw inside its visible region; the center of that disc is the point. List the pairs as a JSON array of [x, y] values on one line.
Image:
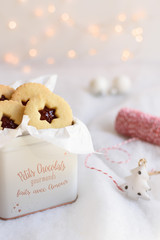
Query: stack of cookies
[[44, 108]]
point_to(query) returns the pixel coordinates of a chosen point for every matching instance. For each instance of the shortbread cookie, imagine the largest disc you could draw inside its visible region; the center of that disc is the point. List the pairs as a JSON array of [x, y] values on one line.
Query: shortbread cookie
[[6, 92], [27, 91], [50, 111], [11, 113]]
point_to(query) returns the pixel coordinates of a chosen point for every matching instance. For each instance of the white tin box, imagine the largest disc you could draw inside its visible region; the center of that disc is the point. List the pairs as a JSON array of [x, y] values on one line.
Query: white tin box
[[35, 175]]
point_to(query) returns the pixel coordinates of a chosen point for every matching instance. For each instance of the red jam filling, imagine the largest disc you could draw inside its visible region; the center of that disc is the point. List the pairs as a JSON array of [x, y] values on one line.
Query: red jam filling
[[25, 102], [47, 114], [3, 98], [7, 122]]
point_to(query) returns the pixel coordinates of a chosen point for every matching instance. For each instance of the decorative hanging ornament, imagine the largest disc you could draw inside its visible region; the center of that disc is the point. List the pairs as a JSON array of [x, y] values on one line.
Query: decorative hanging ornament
[[136, 185], [121, 85], [99, 86]]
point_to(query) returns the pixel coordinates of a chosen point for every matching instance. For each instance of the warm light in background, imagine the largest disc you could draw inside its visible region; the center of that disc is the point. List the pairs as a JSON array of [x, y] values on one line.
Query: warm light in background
[[94, 30], [92, 52], [51, 8], [50, 60], [139, 38], [33, 52], [65, 17], [26, 69], [103, 37], [139, 15], [22, 1], [118, 28], [122, 17], [138, 34], [71, 54], [126, 54], [137, 31], [90, 36], [50, 32], [11, 58], [38, 12], [70, 22], [12, 25]]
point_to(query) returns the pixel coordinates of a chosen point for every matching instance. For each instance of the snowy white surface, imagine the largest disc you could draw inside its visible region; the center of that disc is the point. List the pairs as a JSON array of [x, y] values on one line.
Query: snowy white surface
[[101, 212]]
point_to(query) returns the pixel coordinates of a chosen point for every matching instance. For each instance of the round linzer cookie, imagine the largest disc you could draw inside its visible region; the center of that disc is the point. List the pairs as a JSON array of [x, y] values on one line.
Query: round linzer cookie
[[50, 111], [6, 92], [27, 91], [11, 113]]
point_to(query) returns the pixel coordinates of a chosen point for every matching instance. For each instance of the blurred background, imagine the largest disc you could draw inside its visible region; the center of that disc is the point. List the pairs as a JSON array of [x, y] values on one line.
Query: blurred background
[[60, 32], [81, 40]]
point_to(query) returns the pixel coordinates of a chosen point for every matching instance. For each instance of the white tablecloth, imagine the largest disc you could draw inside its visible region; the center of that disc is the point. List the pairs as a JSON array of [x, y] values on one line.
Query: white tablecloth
[[101, 211]]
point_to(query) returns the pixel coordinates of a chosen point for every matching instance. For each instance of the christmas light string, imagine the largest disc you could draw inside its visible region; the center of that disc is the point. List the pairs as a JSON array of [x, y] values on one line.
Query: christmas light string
[[102, 32]]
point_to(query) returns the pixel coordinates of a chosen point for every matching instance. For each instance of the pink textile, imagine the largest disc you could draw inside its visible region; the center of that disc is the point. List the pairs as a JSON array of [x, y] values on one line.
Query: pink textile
[[133, 123]]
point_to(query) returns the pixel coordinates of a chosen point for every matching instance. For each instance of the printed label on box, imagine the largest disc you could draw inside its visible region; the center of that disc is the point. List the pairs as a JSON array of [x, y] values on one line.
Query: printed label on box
[[36, 177]]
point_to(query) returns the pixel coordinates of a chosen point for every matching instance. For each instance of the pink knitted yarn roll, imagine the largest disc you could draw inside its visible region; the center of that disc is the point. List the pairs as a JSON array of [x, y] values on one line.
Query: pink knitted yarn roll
[[133, 123]]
